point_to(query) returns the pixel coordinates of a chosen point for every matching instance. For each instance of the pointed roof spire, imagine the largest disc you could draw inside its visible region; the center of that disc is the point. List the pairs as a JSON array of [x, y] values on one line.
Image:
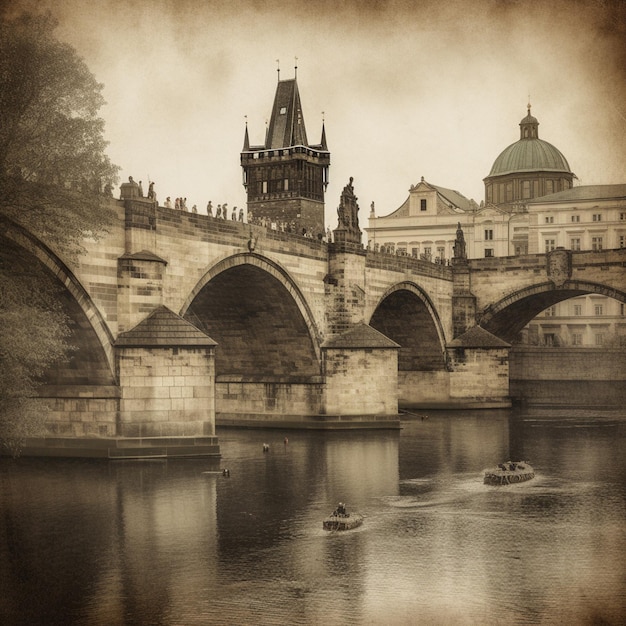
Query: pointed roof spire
[[295, 73], [323, 143], [286, 126], [278, 68], [246, 140]]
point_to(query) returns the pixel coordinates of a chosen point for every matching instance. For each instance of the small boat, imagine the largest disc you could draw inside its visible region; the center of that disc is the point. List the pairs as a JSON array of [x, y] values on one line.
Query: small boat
[[340, 519], [509, 473]]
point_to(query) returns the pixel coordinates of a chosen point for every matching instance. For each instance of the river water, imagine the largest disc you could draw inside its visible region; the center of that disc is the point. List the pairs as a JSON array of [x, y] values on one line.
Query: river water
[[176, 542]]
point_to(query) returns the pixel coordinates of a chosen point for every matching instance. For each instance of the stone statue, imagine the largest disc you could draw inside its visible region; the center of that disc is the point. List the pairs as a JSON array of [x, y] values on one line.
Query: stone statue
[[459, 244], [348, 217]]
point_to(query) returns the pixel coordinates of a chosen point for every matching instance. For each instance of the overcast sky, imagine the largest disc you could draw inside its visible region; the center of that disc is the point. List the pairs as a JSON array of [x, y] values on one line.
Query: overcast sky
[[408, 89]]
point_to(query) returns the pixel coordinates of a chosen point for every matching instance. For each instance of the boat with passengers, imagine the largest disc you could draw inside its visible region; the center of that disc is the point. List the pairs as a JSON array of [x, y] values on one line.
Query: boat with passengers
[[340, 519], [509, 473]]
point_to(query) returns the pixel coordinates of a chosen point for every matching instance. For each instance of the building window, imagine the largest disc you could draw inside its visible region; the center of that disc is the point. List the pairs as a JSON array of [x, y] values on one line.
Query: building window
[[622, 307], [577, 339], [488, 252], [575, 218], [423, 204], [596, 243], [622, 241], [578, 309], [622, 217], [598, 309], [550, 245], [264, 187], [428, 253], [549, 219], [415, 252], [599, 339], [549, 186], [488, 234], [286, 185], [550, 311], [526, 189], [597, 217], [441, 253], [574, 243], [549, 339]]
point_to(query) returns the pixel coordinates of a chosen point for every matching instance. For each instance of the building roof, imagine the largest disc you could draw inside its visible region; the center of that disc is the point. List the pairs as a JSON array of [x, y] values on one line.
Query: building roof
[[585, 192], [478, 337], [163, 328], [454, 197], [286, 127], [361, 335], [143, 255], [529, 155]]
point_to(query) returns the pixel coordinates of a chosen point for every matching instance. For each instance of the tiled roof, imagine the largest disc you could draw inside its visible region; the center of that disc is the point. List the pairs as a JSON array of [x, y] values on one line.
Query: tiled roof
[[164, 328], [143, 255], [286, 127], [585, 192], [361, 335], [453, 196], [478, 337]]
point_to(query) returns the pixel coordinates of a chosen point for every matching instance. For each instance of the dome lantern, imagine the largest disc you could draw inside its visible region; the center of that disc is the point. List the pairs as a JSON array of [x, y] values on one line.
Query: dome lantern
[[529, 127]]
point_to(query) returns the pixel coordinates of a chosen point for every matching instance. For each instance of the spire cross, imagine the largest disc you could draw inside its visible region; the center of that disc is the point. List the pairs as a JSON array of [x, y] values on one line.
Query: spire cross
[[278, 68], [296, 68], [323, 119]]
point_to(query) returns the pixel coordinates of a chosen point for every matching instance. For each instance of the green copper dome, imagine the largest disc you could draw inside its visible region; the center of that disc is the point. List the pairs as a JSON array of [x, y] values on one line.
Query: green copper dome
[[529, 155]]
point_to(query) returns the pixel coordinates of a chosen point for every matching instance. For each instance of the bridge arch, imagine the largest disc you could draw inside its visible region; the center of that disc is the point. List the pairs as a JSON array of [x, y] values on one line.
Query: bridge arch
[[406, 314], [508, 316], [257, 314], [93, 361]]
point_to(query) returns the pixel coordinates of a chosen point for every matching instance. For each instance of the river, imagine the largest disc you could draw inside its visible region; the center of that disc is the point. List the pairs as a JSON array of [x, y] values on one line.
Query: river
[[177, 542]]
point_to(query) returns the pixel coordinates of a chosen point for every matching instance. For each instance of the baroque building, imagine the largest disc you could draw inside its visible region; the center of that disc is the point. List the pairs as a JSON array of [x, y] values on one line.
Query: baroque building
[[286, 177], [530, 207], [590, 217], [528, 168]]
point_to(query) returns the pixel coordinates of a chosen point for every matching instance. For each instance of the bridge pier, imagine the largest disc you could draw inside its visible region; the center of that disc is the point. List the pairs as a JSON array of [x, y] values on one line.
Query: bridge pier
[[479, 364]]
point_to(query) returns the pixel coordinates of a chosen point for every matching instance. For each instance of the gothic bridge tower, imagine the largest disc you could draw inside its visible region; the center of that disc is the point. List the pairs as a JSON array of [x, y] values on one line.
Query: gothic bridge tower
[[285, 179]]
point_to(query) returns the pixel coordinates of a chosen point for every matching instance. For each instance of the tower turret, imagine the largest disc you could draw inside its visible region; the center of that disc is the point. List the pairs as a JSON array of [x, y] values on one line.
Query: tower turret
[[286, 178]]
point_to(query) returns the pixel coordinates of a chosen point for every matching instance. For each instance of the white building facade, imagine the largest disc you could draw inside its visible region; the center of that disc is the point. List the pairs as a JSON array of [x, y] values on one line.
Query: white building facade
[[523, 222]]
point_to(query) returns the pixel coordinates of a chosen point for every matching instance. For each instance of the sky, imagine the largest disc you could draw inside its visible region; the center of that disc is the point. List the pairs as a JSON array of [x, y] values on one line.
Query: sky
[[407, 89]]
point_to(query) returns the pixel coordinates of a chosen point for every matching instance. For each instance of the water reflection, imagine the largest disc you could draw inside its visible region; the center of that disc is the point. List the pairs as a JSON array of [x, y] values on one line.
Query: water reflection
[[177, 542]]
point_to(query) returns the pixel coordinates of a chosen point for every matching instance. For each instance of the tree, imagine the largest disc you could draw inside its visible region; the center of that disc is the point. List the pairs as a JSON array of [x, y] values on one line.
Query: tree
[[55, 181]]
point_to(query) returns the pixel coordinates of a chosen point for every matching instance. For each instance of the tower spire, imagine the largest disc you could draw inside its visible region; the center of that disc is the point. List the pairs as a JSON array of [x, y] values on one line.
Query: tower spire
[[246, 140], [295, 73], [278, 68]]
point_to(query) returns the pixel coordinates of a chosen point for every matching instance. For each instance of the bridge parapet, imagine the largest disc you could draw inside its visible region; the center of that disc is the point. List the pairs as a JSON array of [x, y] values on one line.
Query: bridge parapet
[[398, 263]]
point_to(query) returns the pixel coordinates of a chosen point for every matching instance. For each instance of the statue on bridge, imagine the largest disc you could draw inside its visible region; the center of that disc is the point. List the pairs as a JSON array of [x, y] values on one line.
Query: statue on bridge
[[348, 217], [459, 244]]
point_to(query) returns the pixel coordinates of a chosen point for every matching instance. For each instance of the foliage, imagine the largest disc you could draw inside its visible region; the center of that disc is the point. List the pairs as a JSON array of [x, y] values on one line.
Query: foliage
[[54, 174], [55, 181]]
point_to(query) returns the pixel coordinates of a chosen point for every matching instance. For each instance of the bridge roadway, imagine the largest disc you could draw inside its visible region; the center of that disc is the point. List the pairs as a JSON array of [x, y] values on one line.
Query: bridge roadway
[[294, 331]]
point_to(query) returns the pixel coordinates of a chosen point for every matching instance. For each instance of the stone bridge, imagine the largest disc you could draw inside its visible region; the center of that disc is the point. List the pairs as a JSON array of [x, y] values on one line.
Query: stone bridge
[[182, 320]]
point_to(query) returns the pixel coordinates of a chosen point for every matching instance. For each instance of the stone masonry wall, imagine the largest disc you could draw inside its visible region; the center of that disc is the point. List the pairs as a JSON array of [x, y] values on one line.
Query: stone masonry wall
[[479, 374], [81, 411], [238, 398], [166, 392], [361, 381]]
